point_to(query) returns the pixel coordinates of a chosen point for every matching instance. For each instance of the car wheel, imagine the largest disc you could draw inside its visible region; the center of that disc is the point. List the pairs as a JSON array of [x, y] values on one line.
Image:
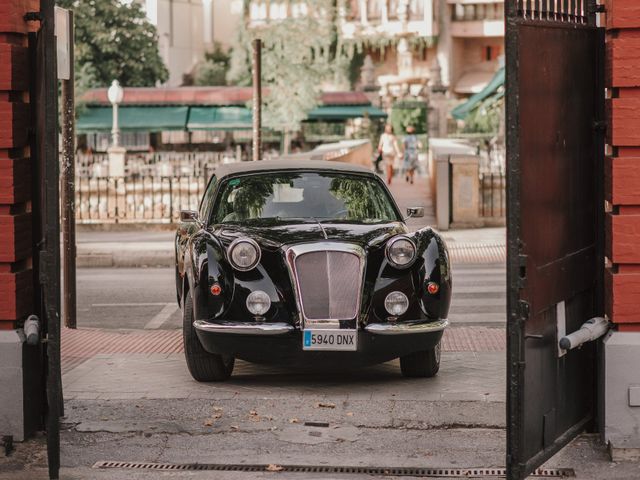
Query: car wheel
[[425, 363], [203, 366]]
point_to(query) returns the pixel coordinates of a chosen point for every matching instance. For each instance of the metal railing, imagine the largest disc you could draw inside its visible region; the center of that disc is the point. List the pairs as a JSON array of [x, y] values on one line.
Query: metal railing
[[493, 202], [148, 199], [140, 164]]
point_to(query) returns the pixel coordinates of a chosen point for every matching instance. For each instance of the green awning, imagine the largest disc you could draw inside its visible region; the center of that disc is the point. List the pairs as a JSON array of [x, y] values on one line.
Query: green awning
[[219, 118], [131, 119], [462, 110], [343, 112]]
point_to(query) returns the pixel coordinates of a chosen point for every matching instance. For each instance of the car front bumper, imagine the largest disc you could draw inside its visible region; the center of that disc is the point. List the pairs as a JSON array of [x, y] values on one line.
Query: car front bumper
[[281, 343], [253, 328]]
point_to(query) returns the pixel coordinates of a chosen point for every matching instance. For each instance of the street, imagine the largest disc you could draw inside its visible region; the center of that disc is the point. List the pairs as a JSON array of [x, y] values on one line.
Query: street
[[145, 298]]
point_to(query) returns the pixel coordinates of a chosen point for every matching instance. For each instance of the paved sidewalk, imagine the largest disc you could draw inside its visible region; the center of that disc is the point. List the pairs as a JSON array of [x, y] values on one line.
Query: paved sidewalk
[[146, 247]]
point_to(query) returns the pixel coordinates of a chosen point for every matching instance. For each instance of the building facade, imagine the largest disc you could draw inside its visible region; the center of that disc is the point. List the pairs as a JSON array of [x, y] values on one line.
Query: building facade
[[187, 29]]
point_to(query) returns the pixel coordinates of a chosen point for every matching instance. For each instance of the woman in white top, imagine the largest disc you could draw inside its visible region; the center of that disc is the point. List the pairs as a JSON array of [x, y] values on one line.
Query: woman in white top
[[388, 146]]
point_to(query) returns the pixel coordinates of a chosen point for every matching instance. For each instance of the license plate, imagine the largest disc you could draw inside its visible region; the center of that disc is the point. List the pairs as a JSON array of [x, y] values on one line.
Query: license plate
[[342, 340]]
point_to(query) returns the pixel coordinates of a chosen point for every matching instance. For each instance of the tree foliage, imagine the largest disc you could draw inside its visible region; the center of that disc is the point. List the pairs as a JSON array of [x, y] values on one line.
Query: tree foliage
[[485, 118], [299, 55], [213, 70], [115, 41]]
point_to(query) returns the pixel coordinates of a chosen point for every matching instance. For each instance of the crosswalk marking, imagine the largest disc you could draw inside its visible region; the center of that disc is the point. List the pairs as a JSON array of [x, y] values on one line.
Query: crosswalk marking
[[479, 295], [164, 315]]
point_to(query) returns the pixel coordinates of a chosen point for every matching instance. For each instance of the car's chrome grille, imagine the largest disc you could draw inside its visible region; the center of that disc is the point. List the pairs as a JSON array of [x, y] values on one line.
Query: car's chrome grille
[[329, 284]]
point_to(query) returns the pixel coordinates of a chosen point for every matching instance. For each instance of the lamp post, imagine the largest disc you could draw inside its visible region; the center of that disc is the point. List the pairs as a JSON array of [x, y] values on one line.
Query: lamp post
[[115, 152], [115, 94]]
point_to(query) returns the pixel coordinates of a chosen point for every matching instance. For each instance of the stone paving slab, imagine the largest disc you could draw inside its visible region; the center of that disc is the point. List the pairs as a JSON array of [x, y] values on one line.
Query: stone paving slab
[[464, 376]]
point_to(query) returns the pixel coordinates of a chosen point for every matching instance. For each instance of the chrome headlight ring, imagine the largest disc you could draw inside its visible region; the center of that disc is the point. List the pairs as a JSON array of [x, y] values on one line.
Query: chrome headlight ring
[[389, 253], [235, 244]]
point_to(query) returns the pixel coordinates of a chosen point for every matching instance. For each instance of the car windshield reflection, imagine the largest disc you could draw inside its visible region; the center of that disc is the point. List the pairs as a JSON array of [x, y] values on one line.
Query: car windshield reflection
[[268, 199]]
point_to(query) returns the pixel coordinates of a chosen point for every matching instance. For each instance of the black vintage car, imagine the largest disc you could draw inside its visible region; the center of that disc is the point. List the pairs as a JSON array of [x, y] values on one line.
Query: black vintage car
[[295, 262]]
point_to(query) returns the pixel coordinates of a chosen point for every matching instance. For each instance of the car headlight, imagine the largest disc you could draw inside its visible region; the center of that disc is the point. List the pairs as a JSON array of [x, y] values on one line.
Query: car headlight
[[258, 302], [401, 251], [396, 303], [244, 254]]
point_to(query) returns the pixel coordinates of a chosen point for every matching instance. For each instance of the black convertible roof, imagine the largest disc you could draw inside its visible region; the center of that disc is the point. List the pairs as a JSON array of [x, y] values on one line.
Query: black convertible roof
[[227, 169]]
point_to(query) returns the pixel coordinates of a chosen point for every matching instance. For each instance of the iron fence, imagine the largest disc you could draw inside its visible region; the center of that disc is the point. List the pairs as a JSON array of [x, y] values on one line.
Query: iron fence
[[144, 164], [493, 194], [150, 199]]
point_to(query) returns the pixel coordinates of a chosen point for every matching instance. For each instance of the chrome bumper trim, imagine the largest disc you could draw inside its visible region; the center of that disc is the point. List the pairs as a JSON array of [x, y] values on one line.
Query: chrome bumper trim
[[243, 328], [406, 328]]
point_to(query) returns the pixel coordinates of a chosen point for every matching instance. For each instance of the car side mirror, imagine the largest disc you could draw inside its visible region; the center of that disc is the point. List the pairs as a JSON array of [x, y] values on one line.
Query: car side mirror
[[189, 216], [415, 212]]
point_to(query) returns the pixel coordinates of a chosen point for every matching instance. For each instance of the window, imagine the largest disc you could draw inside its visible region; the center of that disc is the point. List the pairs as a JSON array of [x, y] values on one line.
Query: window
[[207, 200]]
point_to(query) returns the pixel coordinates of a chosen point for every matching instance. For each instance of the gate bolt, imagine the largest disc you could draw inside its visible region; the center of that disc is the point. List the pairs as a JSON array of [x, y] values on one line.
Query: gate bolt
[[32, 330]]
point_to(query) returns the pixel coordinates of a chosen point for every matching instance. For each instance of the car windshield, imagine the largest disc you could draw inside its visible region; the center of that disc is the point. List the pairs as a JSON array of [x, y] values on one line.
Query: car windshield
[[307, 195]]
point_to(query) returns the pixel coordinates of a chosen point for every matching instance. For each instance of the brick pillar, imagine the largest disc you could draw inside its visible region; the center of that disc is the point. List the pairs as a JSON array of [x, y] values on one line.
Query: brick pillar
[[19, 365], [621, 379]]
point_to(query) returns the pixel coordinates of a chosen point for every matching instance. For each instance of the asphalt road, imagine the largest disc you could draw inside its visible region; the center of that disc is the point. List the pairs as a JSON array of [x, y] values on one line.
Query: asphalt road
[[127, 298], [145, 297]]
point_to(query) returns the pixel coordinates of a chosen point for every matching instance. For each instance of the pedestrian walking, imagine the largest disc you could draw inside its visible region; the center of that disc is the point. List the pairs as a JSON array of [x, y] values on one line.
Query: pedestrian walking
[[388, 146], [410, 146]]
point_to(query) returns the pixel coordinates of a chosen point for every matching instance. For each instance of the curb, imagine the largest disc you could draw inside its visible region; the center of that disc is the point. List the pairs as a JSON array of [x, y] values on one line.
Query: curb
[[461, 254], [147, 259]]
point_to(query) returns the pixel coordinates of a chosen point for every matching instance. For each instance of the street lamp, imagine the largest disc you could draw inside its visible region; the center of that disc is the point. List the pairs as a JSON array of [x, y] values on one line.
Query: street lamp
[[115, 153], [115, 94]]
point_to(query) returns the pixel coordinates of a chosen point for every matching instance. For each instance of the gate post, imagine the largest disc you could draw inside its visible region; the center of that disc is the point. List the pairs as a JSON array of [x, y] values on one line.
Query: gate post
[[21, 396], [621, 384]]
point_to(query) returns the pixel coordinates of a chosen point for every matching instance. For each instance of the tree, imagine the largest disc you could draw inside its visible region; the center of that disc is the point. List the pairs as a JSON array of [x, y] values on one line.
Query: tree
[[213, 71], [115, 41], [300, 53]]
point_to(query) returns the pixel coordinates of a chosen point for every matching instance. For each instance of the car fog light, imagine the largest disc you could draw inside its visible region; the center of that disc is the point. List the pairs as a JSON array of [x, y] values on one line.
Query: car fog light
[[396, 303], [258, 302]]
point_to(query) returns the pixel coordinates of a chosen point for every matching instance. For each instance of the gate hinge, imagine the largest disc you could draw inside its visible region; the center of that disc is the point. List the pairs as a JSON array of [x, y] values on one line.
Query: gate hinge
[[600, 126], [523, 309], [33, 17]]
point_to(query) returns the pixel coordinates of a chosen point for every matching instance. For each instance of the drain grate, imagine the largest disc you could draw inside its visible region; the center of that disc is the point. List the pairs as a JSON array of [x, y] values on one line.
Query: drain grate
[[397, 471]]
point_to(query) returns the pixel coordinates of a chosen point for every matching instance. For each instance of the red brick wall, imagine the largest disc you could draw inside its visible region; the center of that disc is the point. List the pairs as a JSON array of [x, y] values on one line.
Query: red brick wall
[[16, 277], [622, 165]]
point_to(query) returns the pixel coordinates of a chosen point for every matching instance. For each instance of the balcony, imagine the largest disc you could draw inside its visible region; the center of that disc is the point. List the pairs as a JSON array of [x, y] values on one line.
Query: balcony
[[477, 18], [390, 18]]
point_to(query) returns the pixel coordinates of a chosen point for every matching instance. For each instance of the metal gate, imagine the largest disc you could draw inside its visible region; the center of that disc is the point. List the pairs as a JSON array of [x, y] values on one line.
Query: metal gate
[[555, 98], [46, 213]]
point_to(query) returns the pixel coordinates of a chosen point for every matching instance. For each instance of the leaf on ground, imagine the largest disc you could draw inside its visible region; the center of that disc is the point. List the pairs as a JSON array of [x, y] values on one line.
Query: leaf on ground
[[294, 420], [208, 422], [254, 417], [216, 416], [274, 468], [234, 427], [217, 409], [349, 414], [325, 405]]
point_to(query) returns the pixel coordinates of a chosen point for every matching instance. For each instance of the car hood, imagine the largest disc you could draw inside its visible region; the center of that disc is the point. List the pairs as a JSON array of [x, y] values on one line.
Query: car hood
[[293, 232]]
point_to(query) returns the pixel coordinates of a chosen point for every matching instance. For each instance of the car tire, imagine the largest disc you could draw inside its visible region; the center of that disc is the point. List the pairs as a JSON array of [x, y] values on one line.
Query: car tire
[[203, 366], [424, 364]]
